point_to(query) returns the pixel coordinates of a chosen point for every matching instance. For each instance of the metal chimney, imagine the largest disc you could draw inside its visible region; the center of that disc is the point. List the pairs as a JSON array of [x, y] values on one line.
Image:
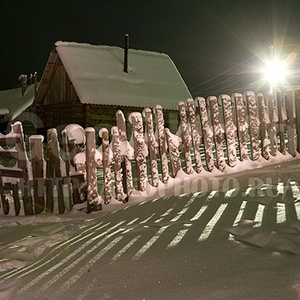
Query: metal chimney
[[126, 46]]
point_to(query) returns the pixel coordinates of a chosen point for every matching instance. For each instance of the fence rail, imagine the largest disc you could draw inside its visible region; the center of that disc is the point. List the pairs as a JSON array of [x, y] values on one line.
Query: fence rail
[[214, 134]]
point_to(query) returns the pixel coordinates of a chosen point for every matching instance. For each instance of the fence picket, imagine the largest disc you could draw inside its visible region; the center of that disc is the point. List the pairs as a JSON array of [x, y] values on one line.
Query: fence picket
[[218, 132], [264, 123], [281, 121], [119, 189], [253, 125], [94, 201], [140, 149], [106, 161], [297, 109], [273, 120], [36, 154], [173, 151], [161, 137], [152, 145], [290, 122], [242, 126], [229, 130], [195, 136], [23, 164], [206, 133], [185, 137], [125, 154]]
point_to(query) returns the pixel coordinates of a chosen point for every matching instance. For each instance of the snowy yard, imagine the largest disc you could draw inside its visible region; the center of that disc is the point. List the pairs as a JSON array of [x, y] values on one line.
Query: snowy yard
[[241, 244]]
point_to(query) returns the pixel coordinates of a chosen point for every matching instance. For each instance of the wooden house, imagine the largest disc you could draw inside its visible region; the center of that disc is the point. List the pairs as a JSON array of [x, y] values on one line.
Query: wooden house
[[86, 84]]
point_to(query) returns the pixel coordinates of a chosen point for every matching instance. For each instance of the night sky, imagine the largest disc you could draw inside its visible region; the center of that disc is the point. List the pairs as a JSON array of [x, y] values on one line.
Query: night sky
[[217, 45]]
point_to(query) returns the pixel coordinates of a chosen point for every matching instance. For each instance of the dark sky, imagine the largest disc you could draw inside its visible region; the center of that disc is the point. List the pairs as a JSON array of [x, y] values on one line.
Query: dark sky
[[217, 45]]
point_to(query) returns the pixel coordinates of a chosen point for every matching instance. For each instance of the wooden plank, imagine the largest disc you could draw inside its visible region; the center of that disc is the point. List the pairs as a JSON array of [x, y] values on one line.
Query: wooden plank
[[264, 123], [106, 165], [218, 132], [229, 130], [15, 190], [23, 164], [160, 134], [152, 145], [94, 201], [67, 160], [290, 121], [6, 141], [8, 153], [37, 163], [4, 202], [273, 121], [281, 121], [126, 163], [117, 158], [253, 125], [196, 138], [140, 149], [173, 152], [185, 137], [242, 126], [297, 111]]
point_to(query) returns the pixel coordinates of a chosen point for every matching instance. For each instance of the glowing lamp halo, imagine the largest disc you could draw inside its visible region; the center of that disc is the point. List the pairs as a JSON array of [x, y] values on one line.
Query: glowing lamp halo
[[275, 71]]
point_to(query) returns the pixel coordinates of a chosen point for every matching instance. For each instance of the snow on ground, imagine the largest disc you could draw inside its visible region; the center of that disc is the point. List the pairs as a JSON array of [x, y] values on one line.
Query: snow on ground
[[237, 239]]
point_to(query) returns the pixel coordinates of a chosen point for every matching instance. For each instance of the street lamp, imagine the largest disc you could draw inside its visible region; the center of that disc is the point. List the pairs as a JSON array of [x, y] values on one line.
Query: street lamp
[[275, 72]]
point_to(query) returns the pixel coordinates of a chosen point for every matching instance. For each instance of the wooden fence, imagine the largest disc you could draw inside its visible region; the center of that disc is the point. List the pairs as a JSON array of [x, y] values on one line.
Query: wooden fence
[[214, 133]]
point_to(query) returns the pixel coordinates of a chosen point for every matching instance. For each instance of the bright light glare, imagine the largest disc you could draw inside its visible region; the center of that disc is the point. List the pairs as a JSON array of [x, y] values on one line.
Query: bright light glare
[[275, 71]]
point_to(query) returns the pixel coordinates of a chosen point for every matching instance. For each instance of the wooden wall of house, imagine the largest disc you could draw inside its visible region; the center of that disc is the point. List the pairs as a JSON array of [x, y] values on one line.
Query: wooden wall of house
[[61, 88]]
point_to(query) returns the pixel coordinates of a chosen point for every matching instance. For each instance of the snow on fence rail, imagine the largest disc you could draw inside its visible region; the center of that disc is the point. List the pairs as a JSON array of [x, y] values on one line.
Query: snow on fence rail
[[215, 136]]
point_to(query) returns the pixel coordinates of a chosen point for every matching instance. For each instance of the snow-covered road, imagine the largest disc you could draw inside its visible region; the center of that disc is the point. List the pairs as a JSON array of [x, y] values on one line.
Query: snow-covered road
[[236, 244]]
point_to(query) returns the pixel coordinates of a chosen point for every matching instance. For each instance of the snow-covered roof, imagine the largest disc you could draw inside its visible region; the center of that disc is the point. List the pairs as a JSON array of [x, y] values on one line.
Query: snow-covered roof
[[97, 75], [13, 103]]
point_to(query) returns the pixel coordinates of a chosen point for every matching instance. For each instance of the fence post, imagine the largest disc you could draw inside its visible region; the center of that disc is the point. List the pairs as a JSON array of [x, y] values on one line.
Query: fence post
[[23, 164], [152, 145], [242, 126], [94, 201], [173, 152], [297, 108], [37, 163], [206, 133], [273, 120], [140, 149], [161, 137], [119, 189], [196, 138], [281, 119], [229, 130], [67, 159], [218, 132], [103, 133], [253, 125], [264, 122], [53, 173], [126, 164], [290, 122], [186, 138]]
